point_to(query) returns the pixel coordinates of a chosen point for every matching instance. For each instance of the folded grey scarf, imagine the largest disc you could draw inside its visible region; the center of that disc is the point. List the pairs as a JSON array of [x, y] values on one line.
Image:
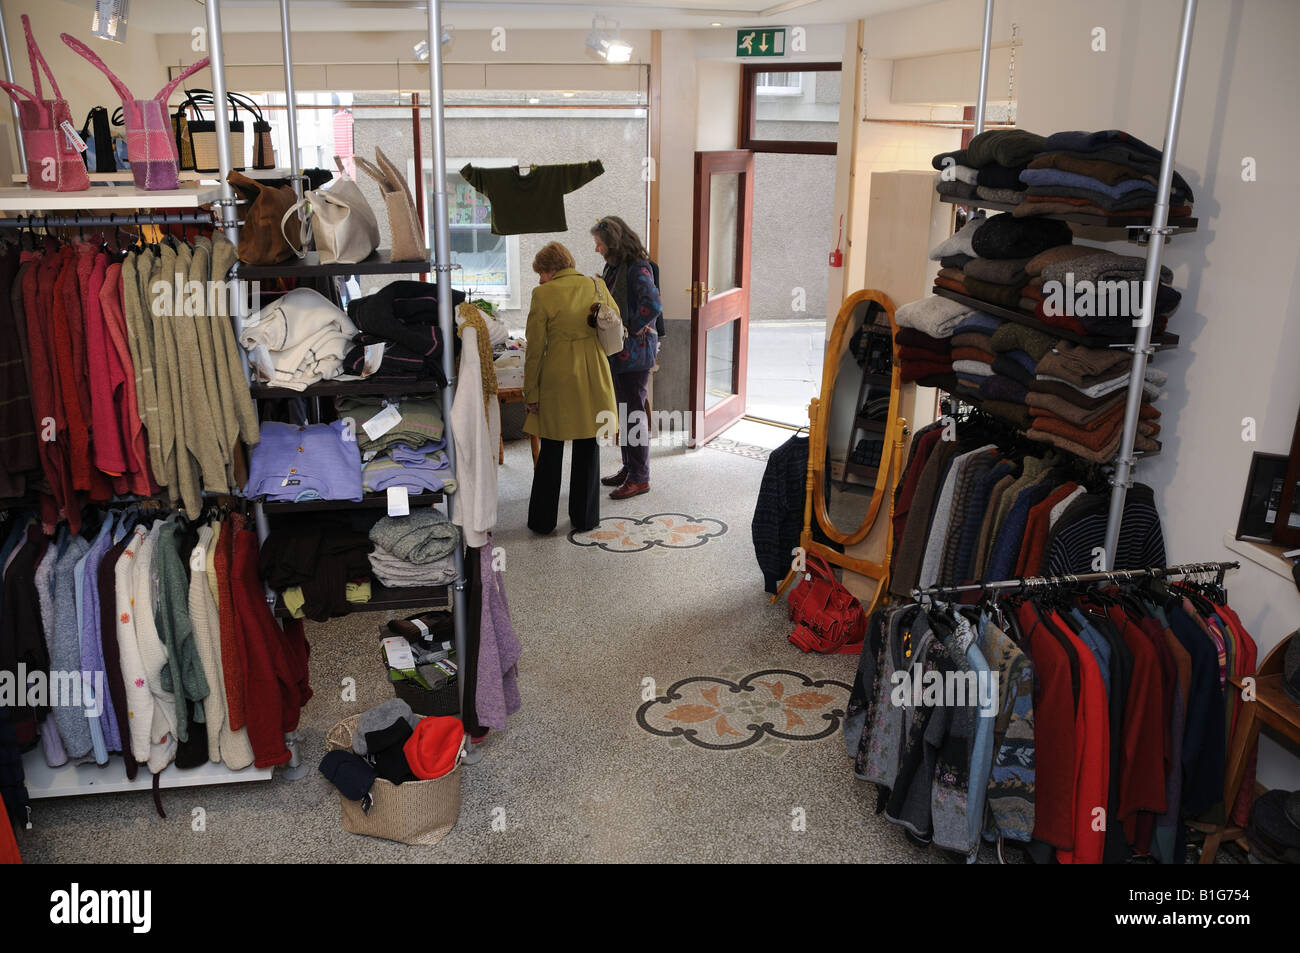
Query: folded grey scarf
[[420, 538]]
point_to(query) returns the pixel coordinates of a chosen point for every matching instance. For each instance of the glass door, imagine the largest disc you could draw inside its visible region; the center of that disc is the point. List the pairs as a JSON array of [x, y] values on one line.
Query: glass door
[[724, 206]]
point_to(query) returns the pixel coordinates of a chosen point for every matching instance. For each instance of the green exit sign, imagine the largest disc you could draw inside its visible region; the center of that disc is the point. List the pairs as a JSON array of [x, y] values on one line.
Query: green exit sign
[[759, 42]]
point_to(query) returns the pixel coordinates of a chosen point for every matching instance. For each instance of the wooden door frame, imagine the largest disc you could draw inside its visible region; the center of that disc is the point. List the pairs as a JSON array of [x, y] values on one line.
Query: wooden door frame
[[702, 321]]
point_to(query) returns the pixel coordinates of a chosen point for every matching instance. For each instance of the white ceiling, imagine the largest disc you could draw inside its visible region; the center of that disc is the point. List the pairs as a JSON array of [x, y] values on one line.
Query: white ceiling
[[239, 16]]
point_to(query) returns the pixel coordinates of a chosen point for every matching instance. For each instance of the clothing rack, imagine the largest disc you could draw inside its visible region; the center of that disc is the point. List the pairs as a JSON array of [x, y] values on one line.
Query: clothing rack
[[1154, 235], [107, 221], [1045, 582]]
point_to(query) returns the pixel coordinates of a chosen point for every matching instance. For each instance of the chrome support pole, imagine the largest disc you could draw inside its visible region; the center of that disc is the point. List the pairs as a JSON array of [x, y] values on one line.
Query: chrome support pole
[[1123, 476], [13, 106], [217, 61], [439, 227], [985, 48], [290, 100]]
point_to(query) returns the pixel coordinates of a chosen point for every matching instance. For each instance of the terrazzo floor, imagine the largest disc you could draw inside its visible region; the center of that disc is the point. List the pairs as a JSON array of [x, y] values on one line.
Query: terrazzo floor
[[577, 777]]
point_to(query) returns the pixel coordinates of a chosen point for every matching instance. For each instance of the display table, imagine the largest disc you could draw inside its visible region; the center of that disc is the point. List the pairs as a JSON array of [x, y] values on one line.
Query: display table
[[515, 395]]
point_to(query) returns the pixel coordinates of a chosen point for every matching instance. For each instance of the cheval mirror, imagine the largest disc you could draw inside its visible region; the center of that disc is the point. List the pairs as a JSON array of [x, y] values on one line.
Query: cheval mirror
[[855, 451]]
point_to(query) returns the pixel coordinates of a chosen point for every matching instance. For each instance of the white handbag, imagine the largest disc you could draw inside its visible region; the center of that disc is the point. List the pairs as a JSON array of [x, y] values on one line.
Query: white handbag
[[609, 326], [340, 221]]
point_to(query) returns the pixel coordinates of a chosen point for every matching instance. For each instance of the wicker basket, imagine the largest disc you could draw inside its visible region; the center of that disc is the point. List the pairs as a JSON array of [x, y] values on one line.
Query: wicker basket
[[417, 812]]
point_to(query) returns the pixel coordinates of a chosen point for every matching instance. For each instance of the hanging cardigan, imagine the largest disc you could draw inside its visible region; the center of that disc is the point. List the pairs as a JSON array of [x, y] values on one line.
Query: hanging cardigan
[[476, 429]]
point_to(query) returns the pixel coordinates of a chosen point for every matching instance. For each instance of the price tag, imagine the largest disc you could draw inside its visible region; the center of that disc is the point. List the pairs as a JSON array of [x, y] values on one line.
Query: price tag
[[398, 502], [74, 138], [398, 653], [382, 422]]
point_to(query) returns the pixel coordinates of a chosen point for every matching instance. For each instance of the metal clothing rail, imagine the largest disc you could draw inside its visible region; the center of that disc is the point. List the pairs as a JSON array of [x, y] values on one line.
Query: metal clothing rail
[[1044, 582], [1156, 234], [110, 220]]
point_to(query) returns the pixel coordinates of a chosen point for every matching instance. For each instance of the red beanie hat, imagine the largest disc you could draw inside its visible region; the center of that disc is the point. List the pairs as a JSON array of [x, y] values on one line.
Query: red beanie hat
[[434, 745]]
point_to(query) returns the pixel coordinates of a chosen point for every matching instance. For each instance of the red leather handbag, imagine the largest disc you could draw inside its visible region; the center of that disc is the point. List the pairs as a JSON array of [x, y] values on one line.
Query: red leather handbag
[[827, 617]]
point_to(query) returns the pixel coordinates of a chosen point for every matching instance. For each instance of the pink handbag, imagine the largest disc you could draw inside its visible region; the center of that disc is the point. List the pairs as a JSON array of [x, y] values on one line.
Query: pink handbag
[[150, 142], [53, 162]]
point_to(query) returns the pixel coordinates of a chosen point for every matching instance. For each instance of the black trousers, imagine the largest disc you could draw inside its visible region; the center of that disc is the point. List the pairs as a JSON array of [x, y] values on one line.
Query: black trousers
[[584, 485]]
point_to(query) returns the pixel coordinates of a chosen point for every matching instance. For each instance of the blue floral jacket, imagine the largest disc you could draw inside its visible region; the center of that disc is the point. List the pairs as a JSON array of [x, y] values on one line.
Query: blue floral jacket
[[639, 317]]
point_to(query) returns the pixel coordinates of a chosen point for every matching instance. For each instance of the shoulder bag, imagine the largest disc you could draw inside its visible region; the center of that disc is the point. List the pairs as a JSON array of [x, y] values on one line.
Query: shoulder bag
[[827, 617], [149, 142], [609, 326], [261, 238], [98, 136], [202, 132], [339, 220], [50, 143]]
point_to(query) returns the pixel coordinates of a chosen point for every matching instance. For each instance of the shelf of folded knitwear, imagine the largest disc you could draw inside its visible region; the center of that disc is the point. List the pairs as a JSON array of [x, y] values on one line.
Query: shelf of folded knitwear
[[1179, 224], [966, 397], [1161, 342], [380, 262]]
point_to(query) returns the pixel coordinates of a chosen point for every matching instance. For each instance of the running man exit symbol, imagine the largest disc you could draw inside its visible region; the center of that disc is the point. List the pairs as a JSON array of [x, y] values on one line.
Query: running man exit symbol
[[769, 42]]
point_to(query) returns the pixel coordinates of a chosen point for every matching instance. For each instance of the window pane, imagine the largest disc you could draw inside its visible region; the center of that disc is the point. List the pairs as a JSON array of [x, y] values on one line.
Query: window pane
[[720, 363], [802, 106], [724, 227]]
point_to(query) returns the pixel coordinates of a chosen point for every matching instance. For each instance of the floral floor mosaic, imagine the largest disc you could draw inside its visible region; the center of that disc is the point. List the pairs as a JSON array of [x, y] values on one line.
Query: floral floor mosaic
[[771, 709], [624, 534]]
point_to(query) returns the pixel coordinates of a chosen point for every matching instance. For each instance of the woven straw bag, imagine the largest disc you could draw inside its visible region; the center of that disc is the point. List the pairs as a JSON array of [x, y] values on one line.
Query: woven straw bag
[[417, 812]]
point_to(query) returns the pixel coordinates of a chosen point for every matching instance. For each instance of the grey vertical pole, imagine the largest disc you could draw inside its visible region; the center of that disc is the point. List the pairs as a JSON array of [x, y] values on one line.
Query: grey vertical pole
[[1123, 477], [290, 100], [9, 77], [441, 245], [985, 47], [217, 59]]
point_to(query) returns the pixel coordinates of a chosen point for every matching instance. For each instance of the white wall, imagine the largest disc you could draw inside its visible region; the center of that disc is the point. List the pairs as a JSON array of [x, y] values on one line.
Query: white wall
[[1240, 315]]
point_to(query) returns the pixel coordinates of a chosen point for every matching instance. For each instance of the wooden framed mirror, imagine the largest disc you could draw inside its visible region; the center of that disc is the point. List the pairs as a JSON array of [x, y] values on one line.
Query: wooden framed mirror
[[855, 452]]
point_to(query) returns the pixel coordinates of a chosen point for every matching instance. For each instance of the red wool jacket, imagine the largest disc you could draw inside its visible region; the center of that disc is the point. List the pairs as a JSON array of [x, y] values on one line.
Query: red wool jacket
[[1092, 747], [1054, 733]]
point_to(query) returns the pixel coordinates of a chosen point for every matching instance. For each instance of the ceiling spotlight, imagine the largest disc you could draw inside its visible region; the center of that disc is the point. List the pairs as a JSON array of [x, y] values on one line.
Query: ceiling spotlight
[[422, 48], [716, 23], [605, 42], [109, 20]]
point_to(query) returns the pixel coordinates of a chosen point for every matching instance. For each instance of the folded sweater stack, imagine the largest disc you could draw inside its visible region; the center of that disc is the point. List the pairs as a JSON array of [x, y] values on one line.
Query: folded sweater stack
[[1108, 173], [990, 166], [415, 550]]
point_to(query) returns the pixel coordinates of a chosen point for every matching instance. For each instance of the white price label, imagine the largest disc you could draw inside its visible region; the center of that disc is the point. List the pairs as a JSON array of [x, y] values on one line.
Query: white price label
[[382, 422], [399, 503]]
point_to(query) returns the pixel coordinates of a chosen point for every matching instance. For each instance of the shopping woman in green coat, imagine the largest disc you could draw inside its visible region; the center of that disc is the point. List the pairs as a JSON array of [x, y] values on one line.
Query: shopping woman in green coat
[[567, 386]]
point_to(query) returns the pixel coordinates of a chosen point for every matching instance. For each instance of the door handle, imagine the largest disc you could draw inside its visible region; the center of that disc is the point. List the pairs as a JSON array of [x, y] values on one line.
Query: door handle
[[699, 294]]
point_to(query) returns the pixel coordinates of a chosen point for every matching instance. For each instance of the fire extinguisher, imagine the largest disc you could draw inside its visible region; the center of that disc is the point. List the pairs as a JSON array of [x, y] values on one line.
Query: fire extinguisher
[[837, 256]]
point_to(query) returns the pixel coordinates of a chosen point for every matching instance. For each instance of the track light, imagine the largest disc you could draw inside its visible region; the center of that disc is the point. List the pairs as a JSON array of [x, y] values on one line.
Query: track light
[[606, 43], [109, 20], [422, 48]]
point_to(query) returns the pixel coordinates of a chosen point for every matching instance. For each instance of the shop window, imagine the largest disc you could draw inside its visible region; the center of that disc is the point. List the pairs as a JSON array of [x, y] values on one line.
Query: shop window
[[795, 110]]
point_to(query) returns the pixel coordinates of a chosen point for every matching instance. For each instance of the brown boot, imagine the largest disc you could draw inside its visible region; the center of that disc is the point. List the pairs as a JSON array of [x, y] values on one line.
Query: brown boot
[[618, 479]]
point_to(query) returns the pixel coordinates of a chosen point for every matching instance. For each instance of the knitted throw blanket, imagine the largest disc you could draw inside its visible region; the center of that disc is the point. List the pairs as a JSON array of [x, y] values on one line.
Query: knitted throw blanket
[[472, 318]]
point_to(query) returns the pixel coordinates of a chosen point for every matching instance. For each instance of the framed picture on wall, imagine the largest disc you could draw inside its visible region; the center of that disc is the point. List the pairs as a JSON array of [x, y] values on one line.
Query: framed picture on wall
[[1262, 506], [1286, 531]]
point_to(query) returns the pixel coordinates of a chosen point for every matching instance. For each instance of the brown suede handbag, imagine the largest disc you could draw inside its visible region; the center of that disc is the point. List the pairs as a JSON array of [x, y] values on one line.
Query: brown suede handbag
[[261, 239]]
